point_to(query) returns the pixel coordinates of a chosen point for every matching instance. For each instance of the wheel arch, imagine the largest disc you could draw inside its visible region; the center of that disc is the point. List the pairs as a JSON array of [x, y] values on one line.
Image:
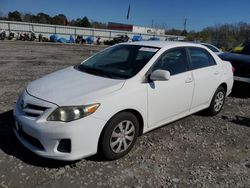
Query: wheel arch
[[139, 118], [224, 85], [136, 113]]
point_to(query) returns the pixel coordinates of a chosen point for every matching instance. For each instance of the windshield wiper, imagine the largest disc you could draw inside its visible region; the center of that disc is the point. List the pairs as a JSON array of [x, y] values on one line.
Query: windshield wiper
[[97, 72]]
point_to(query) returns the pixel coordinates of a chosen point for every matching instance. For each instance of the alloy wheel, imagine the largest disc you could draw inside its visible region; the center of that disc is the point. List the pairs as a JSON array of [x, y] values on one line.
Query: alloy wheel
[[122, 136], [219, 100]]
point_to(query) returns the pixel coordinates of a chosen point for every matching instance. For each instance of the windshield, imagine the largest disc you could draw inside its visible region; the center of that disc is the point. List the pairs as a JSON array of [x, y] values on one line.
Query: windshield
[[119, 62]]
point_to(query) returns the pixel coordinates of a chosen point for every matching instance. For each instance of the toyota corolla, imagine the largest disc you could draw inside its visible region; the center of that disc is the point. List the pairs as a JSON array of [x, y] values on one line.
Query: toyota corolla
[[106, 102]]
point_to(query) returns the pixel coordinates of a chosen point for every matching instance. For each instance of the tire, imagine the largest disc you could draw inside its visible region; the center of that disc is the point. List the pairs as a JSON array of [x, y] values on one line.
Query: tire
[[217, 102], [119, 135]]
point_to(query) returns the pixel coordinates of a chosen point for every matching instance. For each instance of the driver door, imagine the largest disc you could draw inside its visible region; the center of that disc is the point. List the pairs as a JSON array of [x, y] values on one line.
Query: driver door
[[171, 99]]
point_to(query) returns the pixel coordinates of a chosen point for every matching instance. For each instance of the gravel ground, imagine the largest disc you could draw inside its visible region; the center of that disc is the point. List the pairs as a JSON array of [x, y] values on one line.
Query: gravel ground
[[196, 151]]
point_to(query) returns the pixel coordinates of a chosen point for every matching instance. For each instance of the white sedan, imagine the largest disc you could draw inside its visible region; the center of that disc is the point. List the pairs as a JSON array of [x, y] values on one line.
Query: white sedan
[[106, 102]]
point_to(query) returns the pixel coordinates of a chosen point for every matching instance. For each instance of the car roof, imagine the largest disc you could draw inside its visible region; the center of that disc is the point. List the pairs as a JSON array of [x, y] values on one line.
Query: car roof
[[165, 44], [208, 44]]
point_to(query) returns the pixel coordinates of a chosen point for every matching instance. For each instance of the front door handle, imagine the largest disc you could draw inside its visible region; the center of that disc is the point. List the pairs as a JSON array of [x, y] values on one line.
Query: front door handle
[[189, 80]]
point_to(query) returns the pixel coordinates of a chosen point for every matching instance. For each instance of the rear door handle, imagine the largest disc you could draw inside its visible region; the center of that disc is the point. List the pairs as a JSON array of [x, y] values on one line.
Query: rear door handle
[[189, 80]]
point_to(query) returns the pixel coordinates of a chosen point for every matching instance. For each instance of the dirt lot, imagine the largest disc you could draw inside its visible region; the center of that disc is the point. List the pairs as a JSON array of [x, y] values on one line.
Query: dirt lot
[[197, 151]]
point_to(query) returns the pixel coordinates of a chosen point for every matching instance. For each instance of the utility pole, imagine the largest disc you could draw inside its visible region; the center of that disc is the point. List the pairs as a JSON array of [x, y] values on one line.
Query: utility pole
[[185, 24]]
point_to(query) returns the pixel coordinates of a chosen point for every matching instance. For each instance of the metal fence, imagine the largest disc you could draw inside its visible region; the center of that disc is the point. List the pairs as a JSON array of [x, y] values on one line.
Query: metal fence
[[65, 31]]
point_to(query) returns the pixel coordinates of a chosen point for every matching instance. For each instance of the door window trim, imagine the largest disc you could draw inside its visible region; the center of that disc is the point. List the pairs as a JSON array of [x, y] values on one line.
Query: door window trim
[[211, 58]]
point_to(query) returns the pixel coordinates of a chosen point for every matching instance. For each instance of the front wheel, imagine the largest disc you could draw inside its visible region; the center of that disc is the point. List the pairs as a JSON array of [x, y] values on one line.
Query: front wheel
[[119, 135], [217, 101]]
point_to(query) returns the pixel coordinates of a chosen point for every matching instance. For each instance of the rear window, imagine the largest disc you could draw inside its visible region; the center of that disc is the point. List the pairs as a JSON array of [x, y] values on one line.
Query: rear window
[[200, 58]]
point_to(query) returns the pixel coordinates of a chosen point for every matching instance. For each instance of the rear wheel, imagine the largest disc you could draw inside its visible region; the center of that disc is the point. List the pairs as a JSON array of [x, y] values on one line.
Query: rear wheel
[[119, 135], [217, 101]]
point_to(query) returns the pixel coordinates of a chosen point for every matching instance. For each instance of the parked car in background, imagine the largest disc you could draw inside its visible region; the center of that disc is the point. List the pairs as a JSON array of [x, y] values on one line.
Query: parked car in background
[[239, 57], [106, 102], [213, 48], [120, 38], [26, 36], [2, 34], [11, 35]]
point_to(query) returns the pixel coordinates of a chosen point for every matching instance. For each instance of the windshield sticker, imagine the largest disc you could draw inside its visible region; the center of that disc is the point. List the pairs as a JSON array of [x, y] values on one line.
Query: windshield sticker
[[146, 49]]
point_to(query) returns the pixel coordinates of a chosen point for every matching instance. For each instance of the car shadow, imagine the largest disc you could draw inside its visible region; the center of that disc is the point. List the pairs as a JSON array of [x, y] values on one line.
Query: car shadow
[[241, 90], [11, 146], [240, 120]]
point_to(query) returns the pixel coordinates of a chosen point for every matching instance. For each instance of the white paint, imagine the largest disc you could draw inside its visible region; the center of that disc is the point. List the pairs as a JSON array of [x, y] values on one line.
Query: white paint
[[158, 102]]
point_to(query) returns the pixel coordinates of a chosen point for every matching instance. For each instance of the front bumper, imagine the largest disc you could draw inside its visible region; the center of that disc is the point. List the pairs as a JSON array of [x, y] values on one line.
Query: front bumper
[[242, 79], [83, 133]]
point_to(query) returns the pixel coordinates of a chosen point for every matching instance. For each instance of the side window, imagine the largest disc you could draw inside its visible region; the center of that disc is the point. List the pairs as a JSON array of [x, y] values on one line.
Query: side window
[[200, 58], [174, 61]]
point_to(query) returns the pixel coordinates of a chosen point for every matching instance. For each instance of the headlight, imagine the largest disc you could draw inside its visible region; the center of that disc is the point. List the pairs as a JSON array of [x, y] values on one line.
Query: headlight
[[71, 113]]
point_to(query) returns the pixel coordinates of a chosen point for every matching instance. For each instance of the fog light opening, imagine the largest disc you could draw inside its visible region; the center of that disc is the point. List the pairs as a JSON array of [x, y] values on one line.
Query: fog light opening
[[64, 146]]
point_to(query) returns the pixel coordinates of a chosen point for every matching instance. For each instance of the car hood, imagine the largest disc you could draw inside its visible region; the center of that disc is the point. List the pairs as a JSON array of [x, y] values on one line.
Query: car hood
[[235, 57], [72, 87]]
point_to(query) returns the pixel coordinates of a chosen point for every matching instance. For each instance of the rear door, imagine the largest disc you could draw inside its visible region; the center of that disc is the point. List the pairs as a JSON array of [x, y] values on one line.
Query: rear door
[[206, 74]]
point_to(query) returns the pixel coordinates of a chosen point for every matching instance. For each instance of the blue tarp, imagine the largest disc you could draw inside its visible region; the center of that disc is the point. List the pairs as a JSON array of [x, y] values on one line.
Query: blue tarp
[[62, 40], [137, 38], [53, 38], [90, 40], [71, 39]]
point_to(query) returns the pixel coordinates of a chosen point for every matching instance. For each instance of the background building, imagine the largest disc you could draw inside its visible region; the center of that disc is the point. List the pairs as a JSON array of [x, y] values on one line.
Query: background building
[[148, 30], [135, 29]]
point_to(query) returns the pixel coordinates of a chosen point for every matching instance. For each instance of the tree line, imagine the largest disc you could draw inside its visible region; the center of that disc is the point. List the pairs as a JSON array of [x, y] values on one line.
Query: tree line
[[224, 35], [59, 19]]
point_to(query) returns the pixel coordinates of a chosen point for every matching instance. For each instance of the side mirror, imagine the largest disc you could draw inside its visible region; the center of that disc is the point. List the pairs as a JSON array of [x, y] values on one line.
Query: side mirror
[[160, 75]]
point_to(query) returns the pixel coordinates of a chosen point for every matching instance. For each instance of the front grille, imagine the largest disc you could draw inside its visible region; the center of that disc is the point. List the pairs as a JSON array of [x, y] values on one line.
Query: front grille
[[35, 107], [33, 110]]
